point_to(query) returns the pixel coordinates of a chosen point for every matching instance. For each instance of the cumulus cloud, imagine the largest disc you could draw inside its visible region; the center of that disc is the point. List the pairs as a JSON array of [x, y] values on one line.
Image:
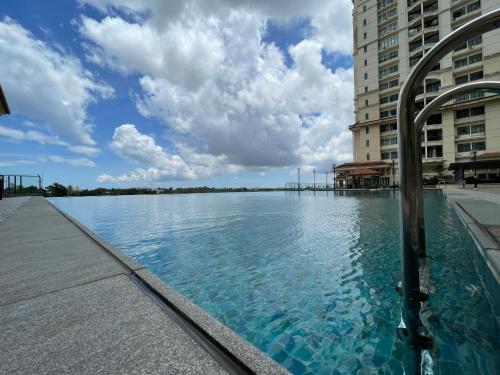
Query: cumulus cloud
[[47, 83], [142, 149], [82, 162], [224, 93]]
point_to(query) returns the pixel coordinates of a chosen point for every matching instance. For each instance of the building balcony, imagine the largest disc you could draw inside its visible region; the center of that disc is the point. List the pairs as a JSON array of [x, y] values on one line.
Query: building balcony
[[466, 137], [413, 17], [414, 34], [432, 159], [413, 4], [430, 8], [393, 147]]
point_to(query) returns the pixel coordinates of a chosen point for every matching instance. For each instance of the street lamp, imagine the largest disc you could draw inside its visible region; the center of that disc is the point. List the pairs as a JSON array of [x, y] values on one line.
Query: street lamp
[[298, 175], [334, 175], [393, 180], [4, 110], [475, 170]]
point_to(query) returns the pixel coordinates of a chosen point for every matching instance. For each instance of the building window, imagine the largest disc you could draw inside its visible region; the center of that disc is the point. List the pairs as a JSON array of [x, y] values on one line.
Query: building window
[[431, 38], [366, 89], [413, 15], [366, 62], [386, 15], [366, 102], [366, 75], [388, 127], [367, 156], [388, 113], [364, 8], [367, 130], [471, 146], [469, 112], [415, 59], [364, 35], [365, 49], [391, 155], [389, 98], [389, 141], [471, 129], [387, 29], [434, 135], [468, 60], [413, 46], [383, 72], [468, 77], [388, 84], [367, 117], [364, 22], [386, 43], [387, 56], [435, 151], [435, 119], [367, 143], [460, 12], [471, 43]]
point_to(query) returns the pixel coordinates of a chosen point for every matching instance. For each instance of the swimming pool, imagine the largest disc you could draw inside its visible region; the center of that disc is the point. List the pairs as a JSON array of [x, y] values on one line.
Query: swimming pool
[[308, 279]]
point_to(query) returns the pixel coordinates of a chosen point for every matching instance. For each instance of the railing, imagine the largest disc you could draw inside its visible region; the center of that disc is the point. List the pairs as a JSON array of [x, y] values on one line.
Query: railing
[[414, 274], [12, 184], [308, 186]]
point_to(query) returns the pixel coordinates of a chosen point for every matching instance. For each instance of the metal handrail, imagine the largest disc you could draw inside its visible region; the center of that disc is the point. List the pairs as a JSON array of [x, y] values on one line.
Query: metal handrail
[[412, 231], [484, 86]]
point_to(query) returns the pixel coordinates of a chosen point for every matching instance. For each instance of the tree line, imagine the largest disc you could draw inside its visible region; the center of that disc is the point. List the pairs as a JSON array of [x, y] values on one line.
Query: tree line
[[59, 190]]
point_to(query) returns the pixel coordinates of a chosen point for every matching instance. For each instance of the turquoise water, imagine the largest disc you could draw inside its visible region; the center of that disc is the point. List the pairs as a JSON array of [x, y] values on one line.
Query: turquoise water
[[308, 279]]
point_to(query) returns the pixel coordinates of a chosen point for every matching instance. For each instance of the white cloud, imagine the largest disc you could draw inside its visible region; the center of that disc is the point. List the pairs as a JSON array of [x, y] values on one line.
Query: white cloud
[[83, 162], [140, 148], [47, 83], [45, 139], [85, 150], [226, 95], [31, 135], [16, 163]]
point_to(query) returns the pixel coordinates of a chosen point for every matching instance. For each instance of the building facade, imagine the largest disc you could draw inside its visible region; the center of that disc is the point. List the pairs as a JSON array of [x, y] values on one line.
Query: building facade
[[390, 37]]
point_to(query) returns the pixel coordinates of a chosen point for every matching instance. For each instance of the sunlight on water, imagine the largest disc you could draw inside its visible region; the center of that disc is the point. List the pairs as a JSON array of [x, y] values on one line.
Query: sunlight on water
[[308, 279]]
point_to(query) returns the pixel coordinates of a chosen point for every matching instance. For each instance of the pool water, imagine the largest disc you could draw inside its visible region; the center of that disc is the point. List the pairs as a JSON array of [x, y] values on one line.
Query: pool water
[[309, 279]]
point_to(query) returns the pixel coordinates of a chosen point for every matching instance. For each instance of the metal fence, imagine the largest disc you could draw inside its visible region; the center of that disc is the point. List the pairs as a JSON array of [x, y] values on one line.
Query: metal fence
[[16, 184]]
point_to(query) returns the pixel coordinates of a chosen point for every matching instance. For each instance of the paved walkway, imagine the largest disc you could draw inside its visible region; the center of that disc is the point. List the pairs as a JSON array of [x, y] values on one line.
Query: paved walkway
[[69, 306], [9, 205]]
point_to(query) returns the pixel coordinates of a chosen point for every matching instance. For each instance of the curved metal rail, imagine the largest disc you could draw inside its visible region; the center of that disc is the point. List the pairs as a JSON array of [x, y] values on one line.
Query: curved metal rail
[[484, 86], [412, 231]]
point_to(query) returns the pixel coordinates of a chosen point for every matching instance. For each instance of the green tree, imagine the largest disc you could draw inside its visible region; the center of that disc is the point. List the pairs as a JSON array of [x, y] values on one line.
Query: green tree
[[440, 168], [57, 190]]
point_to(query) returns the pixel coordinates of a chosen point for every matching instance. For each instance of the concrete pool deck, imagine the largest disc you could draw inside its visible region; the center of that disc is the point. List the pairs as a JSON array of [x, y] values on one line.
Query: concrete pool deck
[[479, 212], [70, 303]]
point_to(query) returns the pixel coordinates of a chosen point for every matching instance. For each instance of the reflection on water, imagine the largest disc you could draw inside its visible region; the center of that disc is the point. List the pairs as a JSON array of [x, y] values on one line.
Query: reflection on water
[[307, 278]]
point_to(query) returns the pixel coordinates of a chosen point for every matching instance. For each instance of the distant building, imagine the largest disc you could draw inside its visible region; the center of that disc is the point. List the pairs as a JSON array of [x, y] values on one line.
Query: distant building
[[4, 107], [390, 37]]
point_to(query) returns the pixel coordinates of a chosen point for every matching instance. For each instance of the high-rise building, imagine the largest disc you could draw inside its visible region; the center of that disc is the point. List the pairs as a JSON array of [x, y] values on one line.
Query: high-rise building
[[390, 37]]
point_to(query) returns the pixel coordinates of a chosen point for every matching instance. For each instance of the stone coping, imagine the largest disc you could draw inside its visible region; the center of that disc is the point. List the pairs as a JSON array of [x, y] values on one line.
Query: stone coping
[[485, 252], [219, 340]]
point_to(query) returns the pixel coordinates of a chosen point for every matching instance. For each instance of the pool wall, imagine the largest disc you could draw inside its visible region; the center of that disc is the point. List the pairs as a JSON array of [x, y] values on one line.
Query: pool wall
[[484, 251], [237, 355]]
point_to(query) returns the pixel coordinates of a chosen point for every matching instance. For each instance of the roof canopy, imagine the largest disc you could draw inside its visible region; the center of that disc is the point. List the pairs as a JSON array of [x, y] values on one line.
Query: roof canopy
[[365, 172], [4, 107]]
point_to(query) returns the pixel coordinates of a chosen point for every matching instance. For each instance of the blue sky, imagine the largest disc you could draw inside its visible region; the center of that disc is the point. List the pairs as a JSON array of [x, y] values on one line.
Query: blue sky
[[185, 93]]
